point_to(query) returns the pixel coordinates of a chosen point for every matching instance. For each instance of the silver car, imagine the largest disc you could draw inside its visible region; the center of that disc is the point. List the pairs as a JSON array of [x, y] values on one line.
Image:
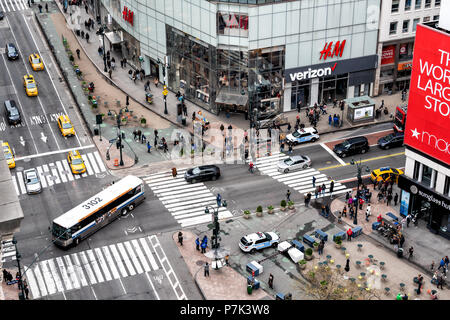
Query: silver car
[[294, 163], [32, 182]]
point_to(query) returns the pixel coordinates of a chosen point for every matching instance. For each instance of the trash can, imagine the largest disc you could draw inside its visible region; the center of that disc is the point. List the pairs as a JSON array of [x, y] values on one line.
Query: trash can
[[400, 253], [95, 131], [249, 288]]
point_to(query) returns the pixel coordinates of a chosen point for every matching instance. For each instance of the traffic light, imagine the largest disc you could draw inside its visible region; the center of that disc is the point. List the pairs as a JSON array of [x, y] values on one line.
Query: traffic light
[[98, 119]]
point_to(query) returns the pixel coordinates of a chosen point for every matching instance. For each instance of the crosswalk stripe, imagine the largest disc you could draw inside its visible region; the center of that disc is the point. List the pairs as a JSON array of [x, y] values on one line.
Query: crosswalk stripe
[[103, 264], [180, 196], [22, 4], [42, 177], [3, 8], [140, 255], [32, 283], [40, 280], [21, 183], [126, 259], [46, 170], [65, 276], [67, 169], [61, 171], [6, 4], [94, 264], [88, 268], [118, 260], [48, 277], [99, 161], [79, 270], [15, 184], [149, 254], [111, 264], [93, 162], [71, 272], [87, 164], [133, 257], [55, 275], [12, 5], [195, 220], [55, 173]]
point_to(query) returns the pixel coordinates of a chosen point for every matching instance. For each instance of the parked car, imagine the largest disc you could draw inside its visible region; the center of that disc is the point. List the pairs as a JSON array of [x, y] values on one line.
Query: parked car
[[11, 51], [352, 146], [32, 181], [303, 135], [294, 163], [391, 140], [258, 241], [202, 173], [385, 174]]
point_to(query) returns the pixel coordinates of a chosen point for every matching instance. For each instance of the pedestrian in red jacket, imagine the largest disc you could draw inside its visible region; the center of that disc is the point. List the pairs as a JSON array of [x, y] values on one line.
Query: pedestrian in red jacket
[[349, 234]]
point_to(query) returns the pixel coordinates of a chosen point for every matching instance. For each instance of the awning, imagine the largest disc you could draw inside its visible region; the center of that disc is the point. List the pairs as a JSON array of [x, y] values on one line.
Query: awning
[[114, 37], [227, 97]]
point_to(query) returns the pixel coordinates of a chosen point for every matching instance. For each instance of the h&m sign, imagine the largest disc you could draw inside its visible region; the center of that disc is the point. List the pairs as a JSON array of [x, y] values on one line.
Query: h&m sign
[[127, 15]]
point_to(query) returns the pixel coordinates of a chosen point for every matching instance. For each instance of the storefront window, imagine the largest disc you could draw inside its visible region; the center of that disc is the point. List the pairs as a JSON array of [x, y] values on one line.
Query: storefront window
[[386, 73], [333, 87], [427, 173], [300, 92]]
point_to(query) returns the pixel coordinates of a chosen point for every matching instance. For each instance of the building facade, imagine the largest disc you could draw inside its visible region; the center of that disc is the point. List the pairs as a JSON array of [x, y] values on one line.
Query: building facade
[[253, 56], [398, 23]]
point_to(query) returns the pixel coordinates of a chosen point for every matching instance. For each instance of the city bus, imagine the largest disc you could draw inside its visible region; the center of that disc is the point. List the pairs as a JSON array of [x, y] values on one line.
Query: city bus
[[400, 118], [78, 223]]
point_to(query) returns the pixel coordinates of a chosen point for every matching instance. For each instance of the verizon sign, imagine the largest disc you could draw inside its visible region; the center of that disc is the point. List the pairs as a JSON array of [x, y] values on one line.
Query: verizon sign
[[428, 121]]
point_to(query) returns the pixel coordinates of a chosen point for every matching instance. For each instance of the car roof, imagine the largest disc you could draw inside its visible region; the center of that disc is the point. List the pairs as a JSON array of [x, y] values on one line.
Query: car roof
[[295, 158], [32, 171], [64, 118], [255, 236], [307, 130], [74, 153], [357, 139]]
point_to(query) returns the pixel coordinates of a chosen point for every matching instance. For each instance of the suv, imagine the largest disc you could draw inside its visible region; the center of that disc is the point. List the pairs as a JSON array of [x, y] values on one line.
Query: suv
[[11, 51], [258, 241], [391, 140], [303, 135], [11, 112], [352, 146]]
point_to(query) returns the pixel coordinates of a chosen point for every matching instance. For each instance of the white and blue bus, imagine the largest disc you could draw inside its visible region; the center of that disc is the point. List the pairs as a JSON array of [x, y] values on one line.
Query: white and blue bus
[[96, 212]]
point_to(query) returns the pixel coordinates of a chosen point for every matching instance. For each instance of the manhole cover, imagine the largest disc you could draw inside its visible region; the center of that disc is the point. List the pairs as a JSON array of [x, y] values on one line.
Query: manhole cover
[[199, 262]]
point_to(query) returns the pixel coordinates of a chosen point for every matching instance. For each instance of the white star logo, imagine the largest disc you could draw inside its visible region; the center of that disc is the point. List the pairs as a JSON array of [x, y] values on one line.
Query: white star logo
[[415, 133]]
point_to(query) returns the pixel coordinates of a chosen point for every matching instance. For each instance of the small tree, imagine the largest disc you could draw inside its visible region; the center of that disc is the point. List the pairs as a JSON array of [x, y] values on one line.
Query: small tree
[[259, 211]]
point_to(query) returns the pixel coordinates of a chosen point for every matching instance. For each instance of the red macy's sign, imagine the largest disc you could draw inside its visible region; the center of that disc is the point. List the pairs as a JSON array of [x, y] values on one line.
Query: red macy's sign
[[330, 52], [428, 121], [127, 15]]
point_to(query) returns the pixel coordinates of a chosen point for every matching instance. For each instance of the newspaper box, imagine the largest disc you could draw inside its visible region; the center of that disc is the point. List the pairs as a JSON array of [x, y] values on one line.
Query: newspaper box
[[255, 267], [284, 246]]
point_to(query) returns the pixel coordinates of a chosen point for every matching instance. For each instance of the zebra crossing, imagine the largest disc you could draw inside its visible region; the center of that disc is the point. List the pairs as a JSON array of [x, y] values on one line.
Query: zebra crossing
[[59, 172], [13, 5], [97, 265], [300, 180], [186, 202]]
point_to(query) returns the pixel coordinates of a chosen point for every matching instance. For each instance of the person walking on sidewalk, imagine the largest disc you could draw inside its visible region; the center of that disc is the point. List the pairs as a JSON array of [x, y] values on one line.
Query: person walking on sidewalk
[[388, 199], [180, 238], [368, 212], [86, 8], [78, 52], [26, 292], [314, 181], [219, 200], [110, 73], [307, 199], [206, 269], [324, 187], [113, 63], [87, 37], [349, 234], [46, 7], [331, 189], [321, 246], [270, 282], [203, 246], [40, 8], [395, 199], [148, 147]]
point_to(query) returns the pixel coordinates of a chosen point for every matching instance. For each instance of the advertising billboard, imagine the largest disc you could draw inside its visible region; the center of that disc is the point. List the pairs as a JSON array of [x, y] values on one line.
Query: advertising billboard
[[387, 55], [428, 118]]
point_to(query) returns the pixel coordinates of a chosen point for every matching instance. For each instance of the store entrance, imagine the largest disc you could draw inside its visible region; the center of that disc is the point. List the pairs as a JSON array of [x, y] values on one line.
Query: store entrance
[[421, 210]]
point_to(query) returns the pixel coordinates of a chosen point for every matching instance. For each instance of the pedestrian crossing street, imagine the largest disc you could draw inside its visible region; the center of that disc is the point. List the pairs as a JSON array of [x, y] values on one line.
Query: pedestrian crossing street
[[300, 180], [90, 267], [185, 201], [13, 5], [8, 252], [59, 172]]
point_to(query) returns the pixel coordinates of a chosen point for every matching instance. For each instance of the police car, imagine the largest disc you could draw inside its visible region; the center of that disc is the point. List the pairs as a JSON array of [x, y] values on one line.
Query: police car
[[303, 135], [258, 241]]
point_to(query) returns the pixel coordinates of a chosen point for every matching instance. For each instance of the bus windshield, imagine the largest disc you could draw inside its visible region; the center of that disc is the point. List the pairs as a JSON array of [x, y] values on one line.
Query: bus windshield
[[60, 232]]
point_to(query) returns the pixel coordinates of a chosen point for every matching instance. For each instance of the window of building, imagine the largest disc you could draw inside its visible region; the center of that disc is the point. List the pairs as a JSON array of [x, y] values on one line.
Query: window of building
[[394, 7], [407, 5], [437, 3], [427, 175], [426, 19], [405, 26], [393, 28], [418, 4], [415, 22], [427, 3], [436, 18], [232, 24], [416, 170], [447, 186]]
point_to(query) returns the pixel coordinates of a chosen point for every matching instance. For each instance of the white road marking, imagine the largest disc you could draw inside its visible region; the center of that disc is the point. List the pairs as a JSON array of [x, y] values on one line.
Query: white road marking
[[87, 267], [21, 183], [333, 154], [103, 264], [87, 164], [99, 161], [140, 254], [133, 257], [118, 260], [153, 287], [93, 163], [42, 177], [61, 171], [53, 152], [126, 259], [48, 176], [67, 169], [111, 264], [48, 277], [55, 276], [65, 276], [32, 283], [55, 173], [15, 184], [94, 264], [71, 272], [149, 254]]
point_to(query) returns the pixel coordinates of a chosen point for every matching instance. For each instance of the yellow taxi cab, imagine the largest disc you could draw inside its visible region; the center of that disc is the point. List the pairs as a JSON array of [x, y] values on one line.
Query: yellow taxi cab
[[385, 174], [8, 155], [30, 85], [76, 162], [36, 62], [65, 126]]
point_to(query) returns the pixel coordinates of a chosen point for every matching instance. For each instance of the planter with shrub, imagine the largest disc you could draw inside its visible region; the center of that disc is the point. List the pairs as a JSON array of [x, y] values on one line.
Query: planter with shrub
[[259, 211], [302, 264], [316, 246], [291, 205], [338, 242], [246, 214], [283, 205], [270, 209], [308, 254]]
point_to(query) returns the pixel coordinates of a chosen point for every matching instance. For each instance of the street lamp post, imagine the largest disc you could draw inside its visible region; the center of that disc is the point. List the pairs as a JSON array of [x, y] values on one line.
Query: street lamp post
[[120, 138], [216, 226], [359, 168], [101, 32], [20, 283]]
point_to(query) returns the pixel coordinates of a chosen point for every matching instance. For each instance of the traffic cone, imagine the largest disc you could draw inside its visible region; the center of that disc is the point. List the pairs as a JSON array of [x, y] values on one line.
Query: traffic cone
[[116, 162]]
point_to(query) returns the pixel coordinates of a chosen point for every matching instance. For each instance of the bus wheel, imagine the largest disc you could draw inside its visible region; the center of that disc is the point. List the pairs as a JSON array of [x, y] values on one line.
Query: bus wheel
[[77, 241], [124, 212], [131, 207]]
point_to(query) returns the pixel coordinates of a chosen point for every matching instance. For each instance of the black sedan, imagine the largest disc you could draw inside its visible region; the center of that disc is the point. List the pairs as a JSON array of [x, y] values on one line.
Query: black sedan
[[391, 140], [202, 173], [2, 15], [11, 51]]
